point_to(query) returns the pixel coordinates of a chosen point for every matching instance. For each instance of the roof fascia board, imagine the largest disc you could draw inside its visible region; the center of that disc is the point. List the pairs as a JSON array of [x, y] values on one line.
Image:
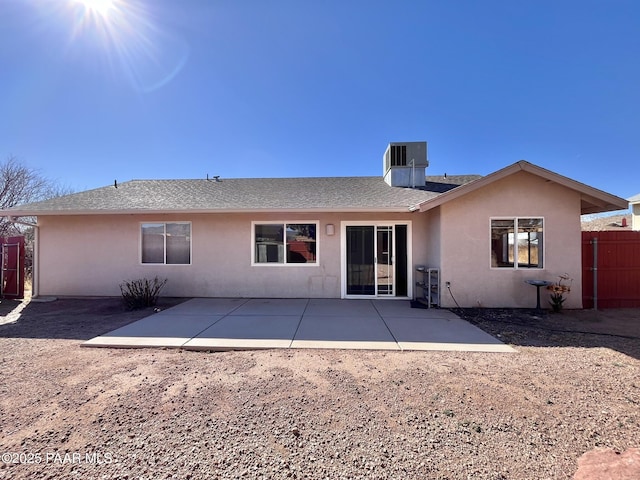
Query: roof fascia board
[[594, 195], [590, 194], [18, 213]]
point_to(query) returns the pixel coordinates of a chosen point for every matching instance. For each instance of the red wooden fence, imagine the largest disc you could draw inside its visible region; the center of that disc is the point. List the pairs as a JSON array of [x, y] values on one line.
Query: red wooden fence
[[618, 269]]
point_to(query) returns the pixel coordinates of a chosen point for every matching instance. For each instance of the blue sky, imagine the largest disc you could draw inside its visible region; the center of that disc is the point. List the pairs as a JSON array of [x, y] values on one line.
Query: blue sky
[[128, 89]]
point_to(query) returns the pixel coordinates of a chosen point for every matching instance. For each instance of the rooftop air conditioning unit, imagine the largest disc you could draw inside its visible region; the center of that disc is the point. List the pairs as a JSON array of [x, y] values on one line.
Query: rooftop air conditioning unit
[[405, 164]]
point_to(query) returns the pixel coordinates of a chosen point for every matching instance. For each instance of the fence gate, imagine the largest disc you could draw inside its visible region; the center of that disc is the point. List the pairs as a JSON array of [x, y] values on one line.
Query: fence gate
[[611, 269], [12, 267]]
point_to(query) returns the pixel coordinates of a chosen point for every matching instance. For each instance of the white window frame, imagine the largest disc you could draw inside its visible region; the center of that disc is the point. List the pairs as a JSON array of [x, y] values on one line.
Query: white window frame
[[284, 223], [515, 253], [165, 222]]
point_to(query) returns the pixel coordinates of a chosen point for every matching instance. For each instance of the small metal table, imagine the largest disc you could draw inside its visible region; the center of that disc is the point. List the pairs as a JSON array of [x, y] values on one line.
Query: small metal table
[[538, 284]]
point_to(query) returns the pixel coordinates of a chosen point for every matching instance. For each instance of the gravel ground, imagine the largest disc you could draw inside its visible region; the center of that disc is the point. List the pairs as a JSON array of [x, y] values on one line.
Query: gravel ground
[[72, 412]]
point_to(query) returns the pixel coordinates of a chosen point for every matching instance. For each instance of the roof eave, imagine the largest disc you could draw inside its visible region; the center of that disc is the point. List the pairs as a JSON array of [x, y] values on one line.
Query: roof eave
[[54, 213], [593, 200]]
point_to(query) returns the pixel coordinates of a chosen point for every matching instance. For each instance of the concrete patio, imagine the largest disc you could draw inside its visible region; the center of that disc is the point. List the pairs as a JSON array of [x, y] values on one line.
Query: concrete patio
[[238, 323]]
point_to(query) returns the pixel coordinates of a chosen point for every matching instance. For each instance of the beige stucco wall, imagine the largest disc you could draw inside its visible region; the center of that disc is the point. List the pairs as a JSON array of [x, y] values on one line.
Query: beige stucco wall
[[635, 216], [433, 243], [465, 243], [92, 255]]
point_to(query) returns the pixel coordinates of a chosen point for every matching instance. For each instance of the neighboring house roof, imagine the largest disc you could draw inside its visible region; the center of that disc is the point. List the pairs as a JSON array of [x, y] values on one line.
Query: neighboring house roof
[[635, 199], [592, 199], [243, 194]]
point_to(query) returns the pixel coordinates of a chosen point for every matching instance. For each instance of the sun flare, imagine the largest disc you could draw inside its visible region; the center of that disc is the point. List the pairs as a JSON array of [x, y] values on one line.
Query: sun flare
[[99, 7], [126, 37]]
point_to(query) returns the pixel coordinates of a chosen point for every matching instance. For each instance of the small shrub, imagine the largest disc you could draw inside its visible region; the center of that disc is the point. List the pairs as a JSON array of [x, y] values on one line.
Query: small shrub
[[141, 293], [558, 289]]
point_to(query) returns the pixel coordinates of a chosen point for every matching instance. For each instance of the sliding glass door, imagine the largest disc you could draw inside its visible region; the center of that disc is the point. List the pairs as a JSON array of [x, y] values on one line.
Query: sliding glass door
[[384, 260], [376, 260], [360, 260]]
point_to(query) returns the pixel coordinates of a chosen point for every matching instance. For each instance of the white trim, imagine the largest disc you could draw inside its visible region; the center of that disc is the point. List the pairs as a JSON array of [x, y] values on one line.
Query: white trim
[[284, 263], [35, 265], [343, 256], [165, 222], [592, 199], [515, 218], [138, 211]]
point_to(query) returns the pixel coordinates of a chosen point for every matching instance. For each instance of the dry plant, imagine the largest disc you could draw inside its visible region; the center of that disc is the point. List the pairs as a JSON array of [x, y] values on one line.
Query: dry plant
[[141, 293]]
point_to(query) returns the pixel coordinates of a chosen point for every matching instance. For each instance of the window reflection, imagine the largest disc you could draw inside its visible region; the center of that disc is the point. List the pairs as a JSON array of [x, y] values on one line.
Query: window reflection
[[517, 243], [285, 243]]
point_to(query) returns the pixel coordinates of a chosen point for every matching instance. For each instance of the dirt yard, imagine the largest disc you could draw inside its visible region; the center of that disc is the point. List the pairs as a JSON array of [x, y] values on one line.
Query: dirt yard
[[73, 412]]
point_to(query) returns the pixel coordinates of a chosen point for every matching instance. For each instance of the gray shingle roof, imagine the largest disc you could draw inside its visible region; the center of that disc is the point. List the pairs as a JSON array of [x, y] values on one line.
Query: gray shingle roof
[[243, 194]]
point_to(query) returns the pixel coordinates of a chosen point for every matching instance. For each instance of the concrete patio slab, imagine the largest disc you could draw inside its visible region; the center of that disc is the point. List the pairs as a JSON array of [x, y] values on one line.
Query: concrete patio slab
[[442, 334], [345, 345], [224, 344], [247, 331], [455, 347], [395, 308], [136, 342], [168, 330], [206, 306], [343, 331], [273, 306], [334, 306], [228, 324]]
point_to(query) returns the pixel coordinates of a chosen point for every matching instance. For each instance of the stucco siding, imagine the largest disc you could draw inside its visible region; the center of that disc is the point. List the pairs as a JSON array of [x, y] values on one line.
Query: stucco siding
[[465, 243], [92, 255], [432, 244]]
